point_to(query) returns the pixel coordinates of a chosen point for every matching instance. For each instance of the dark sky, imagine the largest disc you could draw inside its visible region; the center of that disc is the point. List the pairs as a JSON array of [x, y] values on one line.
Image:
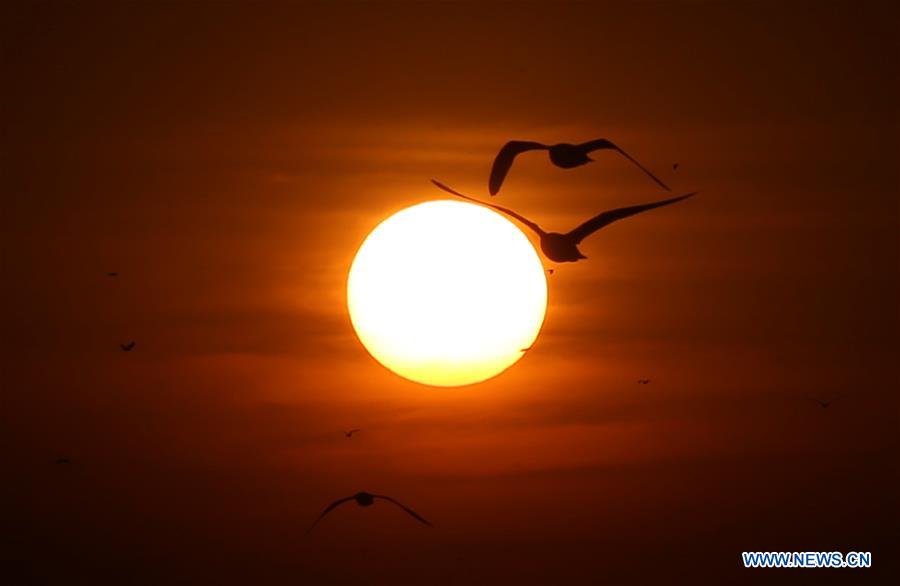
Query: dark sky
[[228, 160]]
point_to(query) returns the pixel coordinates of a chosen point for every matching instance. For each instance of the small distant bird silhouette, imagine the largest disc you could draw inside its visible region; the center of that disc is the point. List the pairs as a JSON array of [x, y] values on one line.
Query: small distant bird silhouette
[[643, 381], [563, 155], [675, 166], [63, 460], [365, 499], [351, 432], [112, 274], [822, 403], [127, 347], [549, 271], [564, 247]]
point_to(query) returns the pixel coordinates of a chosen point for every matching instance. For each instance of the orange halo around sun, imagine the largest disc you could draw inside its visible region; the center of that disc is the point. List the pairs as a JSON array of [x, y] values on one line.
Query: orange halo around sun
[[447, 293]]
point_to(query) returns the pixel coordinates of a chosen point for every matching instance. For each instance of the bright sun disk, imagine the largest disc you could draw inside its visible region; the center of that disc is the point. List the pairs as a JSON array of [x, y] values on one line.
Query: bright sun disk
[[447, 293]]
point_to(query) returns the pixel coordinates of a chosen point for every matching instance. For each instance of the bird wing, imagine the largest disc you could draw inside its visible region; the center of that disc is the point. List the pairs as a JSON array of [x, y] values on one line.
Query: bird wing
[[602, 143], [606, 218], [352, 431], [404, 507], [328, 509], [504, 161], [522, 219]]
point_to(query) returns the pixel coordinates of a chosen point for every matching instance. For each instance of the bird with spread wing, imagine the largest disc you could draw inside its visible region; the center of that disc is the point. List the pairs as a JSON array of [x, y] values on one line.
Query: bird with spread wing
[[365, 499], [563, 155], [564, 247]]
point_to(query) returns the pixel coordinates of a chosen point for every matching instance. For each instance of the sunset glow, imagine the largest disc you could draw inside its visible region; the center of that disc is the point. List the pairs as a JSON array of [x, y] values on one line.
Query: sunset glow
[[380, 293]]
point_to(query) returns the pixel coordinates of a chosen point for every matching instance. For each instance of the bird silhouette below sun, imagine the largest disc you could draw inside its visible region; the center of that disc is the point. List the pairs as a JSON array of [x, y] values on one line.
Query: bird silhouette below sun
[[365, 499]]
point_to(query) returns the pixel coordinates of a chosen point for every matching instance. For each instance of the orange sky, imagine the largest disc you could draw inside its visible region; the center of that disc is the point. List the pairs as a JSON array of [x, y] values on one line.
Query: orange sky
[[228, 160]]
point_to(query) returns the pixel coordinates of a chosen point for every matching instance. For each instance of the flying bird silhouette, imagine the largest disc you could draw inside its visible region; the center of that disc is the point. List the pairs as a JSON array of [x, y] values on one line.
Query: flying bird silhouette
[[821, 403], [675, 166], [563, 155], [351, 432], [643, 381], [127, 347], [365, 499], [112, 274], [564, 247]]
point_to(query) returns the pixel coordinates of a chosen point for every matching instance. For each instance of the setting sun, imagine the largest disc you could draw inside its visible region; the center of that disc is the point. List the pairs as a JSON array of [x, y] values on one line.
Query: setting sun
[[447, 293]]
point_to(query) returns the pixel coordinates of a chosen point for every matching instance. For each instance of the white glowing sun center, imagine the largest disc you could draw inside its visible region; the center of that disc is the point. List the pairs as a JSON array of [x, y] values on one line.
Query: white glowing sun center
[[447, 293]]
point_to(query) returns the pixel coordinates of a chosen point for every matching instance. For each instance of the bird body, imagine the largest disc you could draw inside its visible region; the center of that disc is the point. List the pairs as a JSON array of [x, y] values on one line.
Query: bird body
[[564, 247], [560, 248], [564, 155], [127, 347], [351, 432], [643, 381], [366, 499], [569, 156]]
